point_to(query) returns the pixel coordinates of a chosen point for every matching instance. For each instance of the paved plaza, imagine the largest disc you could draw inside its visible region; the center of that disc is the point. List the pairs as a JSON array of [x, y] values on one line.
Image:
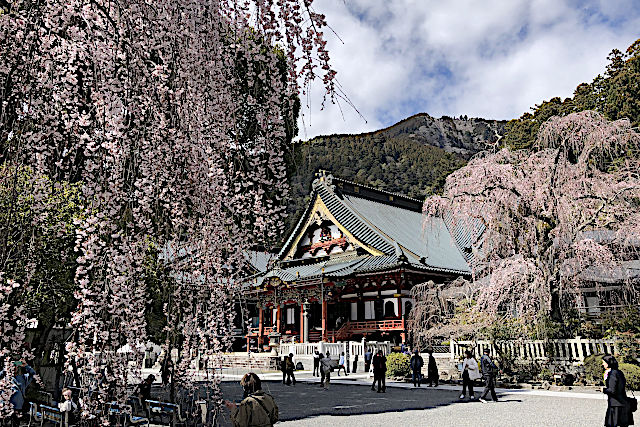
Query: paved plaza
[[350, 402]]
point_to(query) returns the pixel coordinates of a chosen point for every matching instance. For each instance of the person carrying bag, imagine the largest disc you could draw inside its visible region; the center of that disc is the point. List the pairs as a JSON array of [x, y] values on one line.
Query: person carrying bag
[[470, 373]]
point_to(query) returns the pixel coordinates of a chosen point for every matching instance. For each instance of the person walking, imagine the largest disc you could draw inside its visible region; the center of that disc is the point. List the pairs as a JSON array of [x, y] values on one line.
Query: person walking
[[320, 369], [283, 368], [257, 409], [325, 370], [618, 409], [379, 372], [367, 360], [489, 373], [290, 367], [342, 365], [470, 373], [316, 364], [432, 369], [416, 363]]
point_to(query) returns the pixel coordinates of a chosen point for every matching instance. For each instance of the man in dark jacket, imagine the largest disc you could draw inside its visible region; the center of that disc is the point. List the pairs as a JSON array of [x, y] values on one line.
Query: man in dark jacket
[[291, 367], [432, 369], [379, 372], [416, 363], [489, 373], [316, 363]]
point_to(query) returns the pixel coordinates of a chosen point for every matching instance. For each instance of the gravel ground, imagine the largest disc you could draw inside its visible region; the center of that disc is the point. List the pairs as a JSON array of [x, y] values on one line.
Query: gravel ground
[[309, 405]]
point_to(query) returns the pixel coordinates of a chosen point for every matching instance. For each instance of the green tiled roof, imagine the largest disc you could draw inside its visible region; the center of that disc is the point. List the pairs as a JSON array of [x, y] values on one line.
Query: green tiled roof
[[399, 231], [383, 225]]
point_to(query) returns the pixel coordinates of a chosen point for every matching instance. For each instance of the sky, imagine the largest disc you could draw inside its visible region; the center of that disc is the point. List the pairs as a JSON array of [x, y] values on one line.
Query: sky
[[492, 58]]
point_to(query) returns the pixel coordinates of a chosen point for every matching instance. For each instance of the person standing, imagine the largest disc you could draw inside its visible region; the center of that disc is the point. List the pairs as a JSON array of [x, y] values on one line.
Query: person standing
[[416, 363], [257, 409], [367, 360], [470, 373], [316, 364], [432, 369], [379, 372], [166, 370], [341, 365], [20, 378], [618, 408], [325, 370], [489, 373], [290, 368], [143, 390], [68, 407]]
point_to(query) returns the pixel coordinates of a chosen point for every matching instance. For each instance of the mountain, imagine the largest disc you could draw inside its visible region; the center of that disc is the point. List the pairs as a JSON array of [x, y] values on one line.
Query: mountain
[[462, 136], [412, 157]]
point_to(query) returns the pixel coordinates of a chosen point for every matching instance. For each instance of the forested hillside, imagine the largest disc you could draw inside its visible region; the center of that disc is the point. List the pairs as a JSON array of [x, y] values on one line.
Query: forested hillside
[[412, 157]]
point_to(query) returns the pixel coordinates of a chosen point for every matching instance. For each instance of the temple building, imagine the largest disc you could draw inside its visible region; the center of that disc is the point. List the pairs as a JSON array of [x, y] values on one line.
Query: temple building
[[347, 269]]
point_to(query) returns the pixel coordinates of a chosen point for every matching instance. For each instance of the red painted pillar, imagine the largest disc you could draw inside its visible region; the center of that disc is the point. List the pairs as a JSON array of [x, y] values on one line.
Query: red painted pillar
[[301, 327], [324, 320], [278, 316], [260, 327]]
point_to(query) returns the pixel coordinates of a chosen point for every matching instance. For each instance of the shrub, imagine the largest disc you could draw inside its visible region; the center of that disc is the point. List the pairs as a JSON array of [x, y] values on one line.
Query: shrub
[[397, 365], [546, 374], [628, 347], [632, 375], [593, 369]]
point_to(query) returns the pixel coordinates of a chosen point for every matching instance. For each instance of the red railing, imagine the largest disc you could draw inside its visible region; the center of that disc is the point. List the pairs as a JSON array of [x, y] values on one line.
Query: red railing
[[351, 328], [266, 330]]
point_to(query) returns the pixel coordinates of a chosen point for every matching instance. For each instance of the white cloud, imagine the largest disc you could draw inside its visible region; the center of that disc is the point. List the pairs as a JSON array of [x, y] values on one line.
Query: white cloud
[[492, 59]]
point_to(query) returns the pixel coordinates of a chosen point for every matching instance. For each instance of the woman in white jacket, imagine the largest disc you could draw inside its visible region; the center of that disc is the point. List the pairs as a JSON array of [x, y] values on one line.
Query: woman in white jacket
[[470, 373]]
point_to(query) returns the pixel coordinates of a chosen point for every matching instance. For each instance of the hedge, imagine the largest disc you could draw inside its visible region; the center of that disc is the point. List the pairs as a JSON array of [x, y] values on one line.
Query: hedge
[[397, 365], [594, 371]]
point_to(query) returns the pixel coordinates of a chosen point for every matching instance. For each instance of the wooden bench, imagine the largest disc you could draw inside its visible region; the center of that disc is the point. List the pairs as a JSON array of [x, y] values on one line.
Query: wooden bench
[[161, 410]]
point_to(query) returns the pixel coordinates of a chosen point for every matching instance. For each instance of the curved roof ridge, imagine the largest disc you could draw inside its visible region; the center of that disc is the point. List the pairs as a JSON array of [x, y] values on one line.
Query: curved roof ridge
[[299, 224], [390, 193]]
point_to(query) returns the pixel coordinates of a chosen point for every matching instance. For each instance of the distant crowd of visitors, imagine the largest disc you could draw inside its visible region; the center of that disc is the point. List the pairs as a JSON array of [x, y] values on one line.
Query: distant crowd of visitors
[[258, 408]]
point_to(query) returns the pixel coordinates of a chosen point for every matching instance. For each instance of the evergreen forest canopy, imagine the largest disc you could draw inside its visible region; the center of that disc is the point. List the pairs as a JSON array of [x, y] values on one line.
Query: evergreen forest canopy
[[394, 164]]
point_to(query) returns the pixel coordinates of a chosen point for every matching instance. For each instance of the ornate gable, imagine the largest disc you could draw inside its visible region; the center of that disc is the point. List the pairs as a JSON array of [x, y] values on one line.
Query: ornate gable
[[323, 235]]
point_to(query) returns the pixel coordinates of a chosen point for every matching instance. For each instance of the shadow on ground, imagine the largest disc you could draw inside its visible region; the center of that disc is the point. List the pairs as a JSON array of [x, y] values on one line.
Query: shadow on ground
[[306, 400]]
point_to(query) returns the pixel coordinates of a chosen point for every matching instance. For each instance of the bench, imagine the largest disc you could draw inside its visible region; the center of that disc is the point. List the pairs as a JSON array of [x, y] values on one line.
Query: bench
[[34, 414], [159, 409], [124, 416], [49, 413]]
